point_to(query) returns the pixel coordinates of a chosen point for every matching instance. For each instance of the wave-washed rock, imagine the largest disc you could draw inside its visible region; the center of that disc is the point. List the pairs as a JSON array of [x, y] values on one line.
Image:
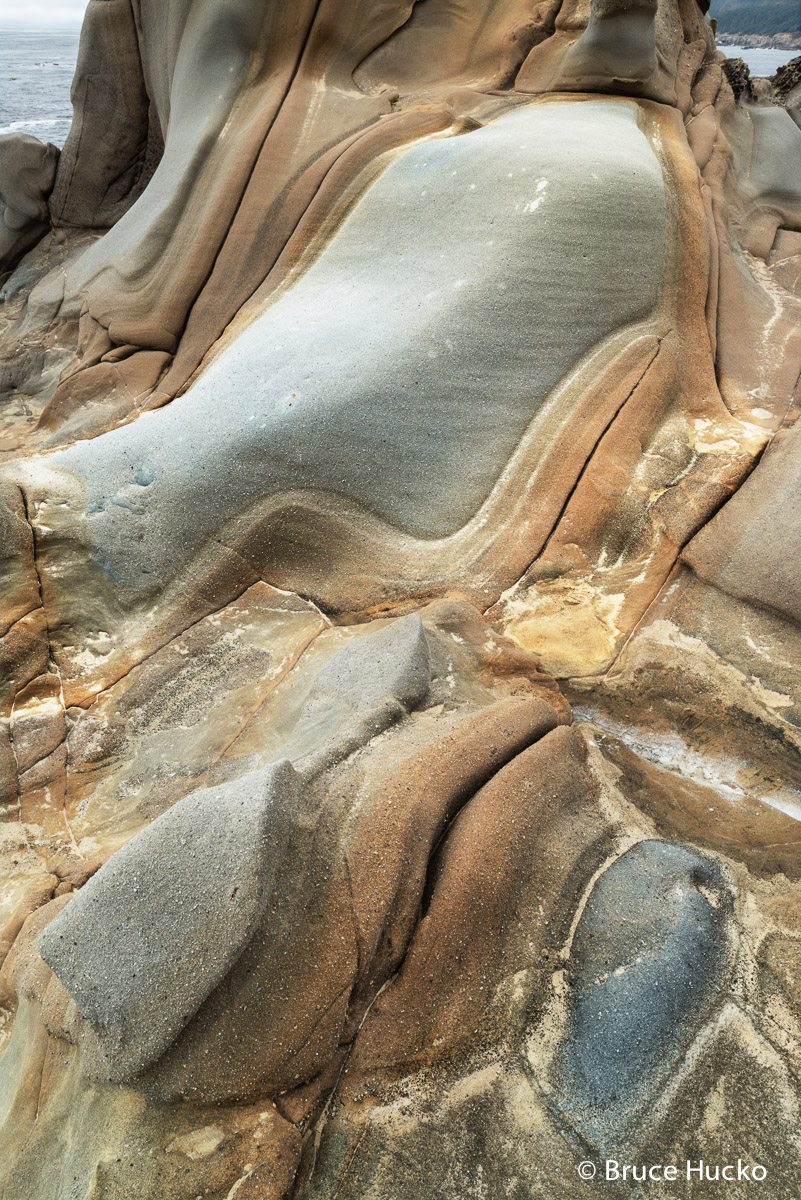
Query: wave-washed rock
[[401, 690]]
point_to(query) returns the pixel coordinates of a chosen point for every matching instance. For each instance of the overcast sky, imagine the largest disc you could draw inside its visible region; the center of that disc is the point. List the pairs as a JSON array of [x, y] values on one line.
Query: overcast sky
[[39, 14]]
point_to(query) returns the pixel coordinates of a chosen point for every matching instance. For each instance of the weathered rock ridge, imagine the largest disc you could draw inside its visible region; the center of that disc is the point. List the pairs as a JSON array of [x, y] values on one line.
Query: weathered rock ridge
[[401, 690]]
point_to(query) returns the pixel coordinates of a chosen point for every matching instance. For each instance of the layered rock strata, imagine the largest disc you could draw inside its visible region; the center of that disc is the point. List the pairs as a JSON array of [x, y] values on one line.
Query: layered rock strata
[[401, 677]]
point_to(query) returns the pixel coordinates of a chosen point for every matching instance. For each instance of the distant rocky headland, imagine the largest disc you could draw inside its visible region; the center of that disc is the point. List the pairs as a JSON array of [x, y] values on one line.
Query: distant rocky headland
[[761, 41], [757, 25]]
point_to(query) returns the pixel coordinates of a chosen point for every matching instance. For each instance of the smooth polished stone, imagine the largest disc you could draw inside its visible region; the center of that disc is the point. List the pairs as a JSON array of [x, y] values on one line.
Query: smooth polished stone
[[403, 368]]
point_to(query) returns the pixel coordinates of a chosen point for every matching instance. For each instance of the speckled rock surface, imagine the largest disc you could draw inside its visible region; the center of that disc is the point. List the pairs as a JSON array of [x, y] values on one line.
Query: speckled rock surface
[[27, 171], [648, 962], [399, 647], [156, 929]]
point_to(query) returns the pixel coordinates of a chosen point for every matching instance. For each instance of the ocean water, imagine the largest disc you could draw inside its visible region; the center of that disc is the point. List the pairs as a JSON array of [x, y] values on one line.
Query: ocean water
[[36, 71], [761, 62]]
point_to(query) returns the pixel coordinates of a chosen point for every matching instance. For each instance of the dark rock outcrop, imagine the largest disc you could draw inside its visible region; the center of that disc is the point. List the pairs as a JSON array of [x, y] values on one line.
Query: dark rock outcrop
[[27, 173]]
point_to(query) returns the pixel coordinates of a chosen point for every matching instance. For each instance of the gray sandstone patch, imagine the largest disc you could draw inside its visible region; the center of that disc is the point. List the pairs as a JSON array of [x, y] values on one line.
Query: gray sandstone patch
[[648, 960], [146, 940], [402, 369], [364, 687]]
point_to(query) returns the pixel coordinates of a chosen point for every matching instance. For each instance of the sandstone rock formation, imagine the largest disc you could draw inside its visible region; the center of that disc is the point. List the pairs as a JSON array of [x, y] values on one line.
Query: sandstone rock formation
[[27, 171], [401, 739]]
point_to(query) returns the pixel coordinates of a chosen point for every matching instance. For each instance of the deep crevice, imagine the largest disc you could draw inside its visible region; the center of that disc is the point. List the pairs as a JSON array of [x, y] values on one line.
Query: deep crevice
[[314, 1130]]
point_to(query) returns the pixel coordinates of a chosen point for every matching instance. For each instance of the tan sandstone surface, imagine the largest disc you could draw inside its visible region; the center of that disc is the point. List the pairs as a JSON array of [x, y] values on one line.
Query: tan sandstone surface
[[401, 687]]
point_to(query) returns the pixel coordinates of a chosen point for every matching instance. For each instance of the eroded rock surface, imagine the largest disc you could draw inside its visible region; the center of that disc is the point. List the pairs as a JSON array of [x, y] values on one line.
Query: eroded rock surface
[[648, 962], [207, 864], [401, 684], [27, 171]]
